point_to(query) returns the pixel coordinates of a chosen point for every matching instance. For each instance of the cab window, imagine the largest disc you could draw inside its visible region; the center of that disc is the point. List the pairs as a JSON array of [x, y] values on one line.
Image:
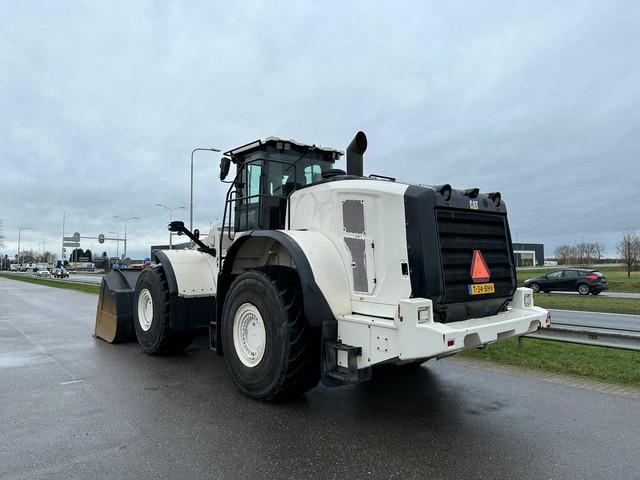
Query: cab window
[[312, 174], [254, 172]]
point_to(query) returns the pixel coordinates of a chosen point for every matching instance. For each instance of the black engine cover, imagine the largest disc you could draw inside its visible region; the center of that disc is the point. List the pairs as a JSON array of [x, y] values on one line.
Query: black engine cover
[[443, 231]]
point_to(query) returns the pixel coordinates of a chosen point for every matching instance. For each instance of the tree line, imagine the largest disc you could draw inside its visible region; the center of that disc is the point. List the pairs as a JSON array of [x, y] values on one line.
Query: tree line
[[583, 253], [586, 253]]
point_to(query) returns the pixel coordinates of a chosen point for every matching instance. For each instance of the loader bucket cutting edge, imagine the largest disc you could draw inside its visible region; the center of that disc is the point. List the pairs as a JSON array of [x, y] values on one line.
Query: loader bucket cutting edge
[[114, 315]]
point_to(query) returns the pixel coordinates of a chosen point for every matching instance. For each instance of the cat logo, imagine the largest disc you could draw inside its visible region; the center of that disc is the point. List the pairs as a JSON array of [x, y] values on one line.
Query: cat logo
[[473, 205]]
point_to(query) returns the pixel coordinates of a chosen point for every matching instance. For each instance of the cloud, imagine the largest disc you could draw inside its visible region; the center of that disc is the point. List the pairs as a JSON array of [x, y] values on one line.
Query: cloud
[[102, 104]]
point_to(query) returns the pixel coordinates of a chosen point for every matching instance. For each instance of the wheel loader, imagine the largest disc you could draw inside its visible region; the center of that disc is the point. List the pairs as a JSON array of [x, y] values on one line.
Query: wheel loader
[[320, 274]]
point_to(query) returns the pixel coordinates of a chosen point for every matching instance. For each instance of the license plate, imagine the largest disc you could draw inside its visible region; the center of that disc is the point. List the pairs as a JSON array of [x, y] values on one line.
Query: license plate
[[482, 289]]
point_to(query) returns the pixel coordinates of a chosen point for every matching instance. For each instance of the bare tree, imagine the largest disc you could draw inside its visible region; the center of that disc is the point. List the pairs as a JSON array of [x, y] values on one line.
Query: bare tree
[[629, 250], [563, 253], [598, 250], [2, 237]]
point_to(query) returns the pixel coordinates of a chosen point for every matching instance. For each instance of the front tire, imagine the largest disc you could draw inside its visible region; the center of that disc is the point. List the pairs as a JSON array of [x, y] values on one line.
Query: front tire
[[152, 316], [583, 289], [535, 287], [270, 350]]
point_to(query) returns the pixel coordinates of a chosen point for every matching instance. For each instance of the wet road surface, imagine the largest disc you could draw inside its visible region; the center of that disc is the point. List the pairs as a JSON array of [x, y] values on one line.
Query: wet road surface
[[75, 406]]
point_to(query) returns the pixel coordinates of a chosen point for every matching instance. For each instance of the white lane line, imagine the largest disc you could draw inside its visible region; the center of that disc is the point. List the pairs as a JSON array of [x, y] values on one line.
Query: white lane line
[[72, 381]]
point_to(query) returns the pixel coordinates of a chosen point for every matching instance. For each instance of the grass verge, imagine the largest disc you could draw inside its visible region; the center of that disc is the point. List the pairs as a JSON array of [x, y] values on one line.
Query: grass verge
[[55, 283], [588, 304], [597, 363]]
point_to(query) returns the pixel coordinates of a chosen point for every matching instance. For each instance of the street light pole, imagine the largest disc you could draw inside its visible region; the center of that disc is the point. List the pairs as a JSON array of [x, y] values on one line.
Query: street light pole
[[170, 220], [117, 244], [19, 234], [125, 230], [191, 195]]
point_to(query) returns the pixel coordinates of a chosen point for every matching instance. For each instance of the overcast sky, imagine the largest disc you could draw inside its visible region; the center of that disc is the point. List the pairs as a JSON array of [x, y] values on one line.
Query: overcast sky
[[102, 102]]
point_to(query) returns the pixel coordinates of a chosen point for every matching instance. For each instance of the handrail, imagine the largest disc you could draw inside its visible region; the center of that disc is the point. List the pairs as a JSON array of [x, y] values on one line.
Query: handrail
[[237, 200]]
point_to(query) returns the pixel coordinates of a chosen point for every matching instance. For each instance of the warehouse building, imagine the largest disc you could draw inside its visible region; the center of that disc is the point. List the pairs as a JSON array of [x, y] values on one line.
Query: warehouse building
[[528, 254]]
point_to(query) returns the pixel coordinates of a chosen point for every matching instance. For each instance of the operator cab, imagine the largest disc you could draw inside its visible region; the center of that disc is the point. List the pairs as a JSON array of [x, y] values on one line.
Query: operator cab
[[267, 172]]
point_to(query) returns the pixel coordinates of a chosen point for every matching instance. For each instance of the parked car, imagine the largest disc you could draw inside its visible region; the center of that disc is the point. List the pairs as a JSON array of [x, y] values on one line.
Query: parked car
[[583, 281], [58, 273]]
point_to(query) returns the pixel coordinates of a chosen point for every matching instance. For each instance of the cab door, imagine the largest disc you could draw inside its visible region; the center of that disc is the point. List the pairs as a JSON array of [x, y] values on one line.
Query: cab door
[[247, 200]]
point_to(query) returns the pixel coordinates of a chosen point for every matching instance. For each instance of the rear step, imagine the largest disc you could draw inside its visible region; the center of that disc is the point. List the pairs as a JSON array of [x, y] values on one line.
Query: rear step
[[347, 374]]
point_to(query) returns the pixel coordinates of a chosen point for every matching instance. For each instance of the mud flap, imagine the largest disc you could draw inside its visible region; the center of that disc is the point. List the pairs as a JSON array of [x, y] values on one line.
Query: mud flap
[[114, 315]]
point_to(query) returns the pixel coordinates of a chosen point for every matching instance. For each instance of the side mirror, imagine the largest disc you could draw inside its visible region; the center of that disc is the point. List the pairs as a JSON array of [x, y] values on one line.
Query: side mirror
[[225, 163]]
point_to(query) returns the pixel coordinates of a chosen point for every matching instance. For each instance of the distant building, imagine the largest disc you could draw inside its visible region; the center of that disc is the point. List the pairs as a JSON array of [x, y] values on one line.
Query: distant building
[[528, 254]]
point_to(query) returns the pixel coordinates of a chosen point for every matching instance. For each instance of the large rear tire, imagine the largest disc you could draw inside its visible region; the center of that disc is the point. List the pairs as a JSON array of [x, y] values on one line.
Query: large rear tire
[[152, 316], [270, 350]]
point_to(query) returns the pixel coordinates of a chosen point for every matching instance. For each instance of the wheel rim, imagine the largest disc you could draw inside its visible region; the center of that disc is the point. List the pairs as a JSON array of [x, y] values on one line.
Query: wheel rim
[[583, 289], [249, 335], [145, 309], [535, 288]]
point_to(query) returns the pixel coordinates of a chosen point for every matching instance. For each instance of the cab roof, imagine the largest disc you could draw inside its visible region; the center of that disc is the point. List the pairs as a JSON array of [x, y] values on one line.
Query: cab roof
[[283, 145]]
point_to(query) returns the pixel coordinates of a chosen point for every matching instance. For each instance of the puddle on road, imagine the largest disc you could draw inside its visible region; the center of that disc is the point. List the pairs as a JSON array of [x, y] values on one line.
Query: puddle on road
[[11, 360]]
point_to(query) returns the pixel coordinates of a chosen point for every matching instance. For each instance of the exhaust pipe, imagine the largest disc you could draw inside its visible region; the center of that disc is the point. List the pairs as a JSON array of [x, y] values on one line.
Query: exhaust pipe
[[354, 154]]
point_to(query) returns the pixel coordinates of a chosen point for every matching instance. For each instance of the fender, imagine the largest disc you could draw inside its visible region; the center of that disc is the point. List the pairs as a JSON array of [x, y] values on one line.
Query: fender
[[324, 281], [191, 280], [189, 273]]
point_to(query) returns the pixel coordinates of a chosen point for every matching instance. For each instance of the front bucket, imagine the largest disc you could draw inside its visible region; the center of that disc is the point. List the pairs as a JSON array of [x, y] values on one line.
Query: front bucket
[[114, 316]]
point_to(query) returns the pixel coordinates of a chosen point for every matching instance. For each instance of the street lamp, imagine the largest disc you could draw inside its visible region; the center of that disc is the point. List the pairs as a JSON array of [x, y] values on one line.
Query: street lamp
[[117, 244], [191, 198], [170, 220], [125, 220], [19, 233]]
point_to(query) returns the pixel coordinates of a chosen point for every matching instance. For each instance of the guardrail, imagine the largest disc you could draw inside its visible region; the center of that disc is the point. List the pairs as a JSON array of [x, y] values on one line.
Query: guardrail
[[598, 337]]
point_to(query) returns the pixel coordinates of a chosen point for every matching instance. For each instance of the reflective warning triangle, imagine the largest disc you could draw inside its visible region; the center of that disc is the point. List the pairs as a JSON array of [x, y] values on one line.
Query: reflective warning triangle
[[479, 270]]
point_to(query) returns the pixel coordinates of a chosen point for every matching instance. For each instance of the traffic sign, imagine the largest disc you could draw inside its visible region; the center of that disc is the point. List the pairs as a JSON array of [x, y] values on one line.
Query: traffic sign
[[71, 244]]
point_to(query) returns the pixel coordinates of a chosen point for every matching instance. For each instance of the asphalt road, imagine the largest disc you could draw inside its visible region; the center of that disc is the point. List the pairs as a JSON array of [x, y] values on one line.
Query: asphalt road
[[86, 278], [613, 321], [75, 406]]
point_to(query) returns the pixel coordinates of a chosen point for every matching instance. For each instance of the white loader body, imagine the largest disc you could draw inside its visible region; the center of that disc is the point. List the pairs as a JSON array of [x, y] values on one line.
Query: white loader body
[[384, 319]]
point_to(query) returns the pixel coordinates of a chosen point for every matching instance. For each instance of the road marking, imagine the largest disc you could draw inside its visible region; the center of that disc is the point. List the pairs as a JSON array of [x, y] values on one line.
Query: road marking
[[72, 381]]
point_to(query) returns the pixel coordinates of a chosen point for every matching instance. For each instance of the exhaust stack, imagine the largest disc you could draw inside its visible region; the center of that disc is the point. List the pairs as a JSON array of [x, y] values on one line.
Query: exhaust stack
[[354, 154]]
